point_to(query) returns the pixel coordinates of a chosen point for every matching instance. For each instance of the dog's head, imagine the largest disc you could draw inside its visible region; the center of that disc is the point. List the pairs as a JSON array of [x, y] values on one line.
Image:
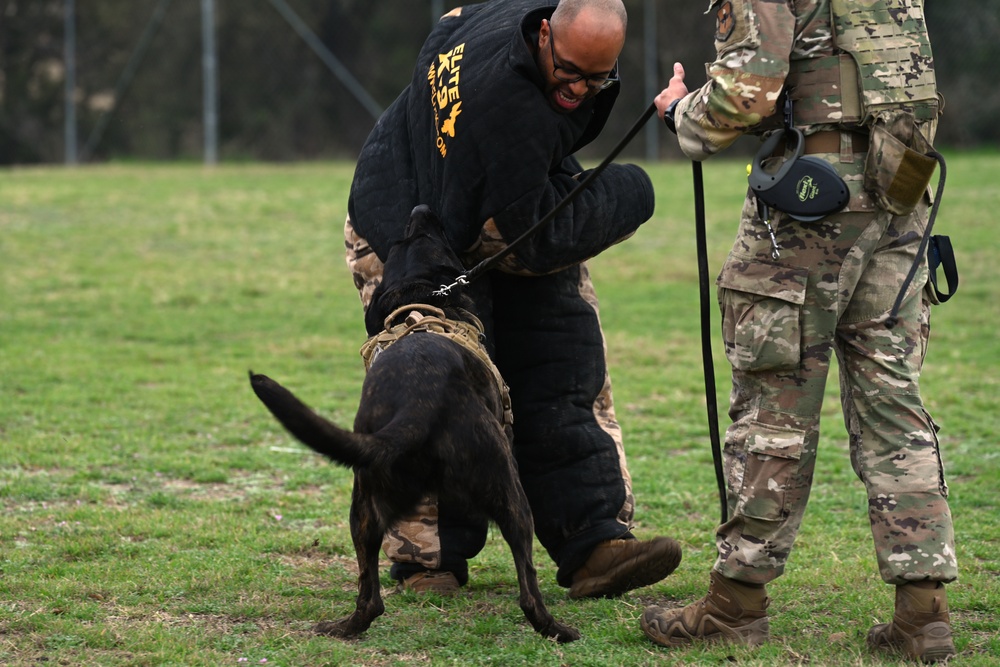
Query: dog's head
[[417, 266]]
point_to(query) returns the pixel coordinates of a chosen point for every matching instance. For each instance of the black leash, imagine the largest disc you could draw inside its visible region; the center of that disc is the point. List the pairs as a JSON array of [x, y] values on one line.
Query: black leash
[[940, 243], [490, 262], [706, 336], [702, 251]]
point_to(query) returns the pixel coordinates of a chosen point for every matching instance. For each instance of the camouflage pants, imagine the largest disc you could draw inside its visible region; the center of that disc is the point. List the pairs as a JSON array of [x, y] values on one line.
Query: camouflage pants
[[830, 291], [420, 539]]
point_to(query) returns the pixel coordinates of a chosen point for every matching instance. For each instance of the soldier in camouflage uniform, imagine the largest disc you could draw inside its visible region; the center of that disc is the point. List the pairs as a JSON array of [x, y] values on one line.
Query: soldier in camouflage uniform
[[861, 76]]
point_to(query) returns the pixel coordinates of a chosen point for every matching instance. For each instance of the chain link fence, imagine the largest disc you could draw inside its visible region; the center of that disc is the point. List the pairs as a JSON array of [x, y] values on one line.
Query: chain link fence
[[279, 101]]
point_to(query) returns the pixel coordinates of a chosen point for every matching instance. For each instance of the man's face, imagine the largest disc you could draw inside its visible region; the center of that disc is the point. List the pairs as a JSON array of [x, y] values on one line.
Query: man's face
[[583, 63]]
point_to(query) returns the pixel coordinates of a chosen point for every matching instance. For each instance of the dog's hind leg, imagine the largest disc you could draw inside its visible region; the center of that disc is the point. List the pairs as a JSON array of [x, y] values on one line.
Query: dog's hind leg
[[366, 531], [512, 514]]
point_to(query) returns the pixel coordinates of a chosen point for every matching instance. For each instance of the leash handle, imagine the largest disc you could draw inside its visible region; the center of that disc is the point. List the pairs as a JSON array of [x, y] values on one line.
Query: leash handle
[[491, 262], [941, 254]]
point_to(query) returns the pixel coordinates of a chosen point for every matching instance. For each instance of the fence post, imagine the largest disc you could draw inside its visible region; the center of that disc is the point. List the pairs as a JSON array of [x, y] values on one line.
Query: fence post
[[650, 71], [69, 58], [210, 87]]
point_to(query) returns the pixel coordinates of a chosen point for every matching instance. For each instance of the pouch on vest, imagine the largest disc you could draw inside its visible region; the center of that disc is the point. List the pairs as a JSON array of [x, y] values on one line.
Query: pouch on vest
[[899, 167]]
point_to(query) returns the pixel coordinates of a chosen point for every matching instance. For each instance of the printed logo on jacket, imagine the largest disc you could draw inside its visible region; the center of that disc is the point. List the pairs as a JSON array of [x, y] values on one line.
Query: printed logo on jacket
[[446, 100]]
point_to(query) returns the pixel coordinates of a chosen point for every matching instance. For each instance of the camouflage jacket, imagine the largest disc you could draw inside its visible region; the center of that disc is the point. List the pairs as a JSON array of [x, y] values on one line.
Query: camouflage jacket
[[763, 47]]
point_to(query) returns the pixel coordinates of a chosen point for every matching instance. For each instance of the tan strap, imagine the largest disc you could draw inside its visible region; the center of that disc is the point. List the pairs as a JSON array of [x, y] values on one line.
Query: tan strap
[[830, 141], [431, 319]]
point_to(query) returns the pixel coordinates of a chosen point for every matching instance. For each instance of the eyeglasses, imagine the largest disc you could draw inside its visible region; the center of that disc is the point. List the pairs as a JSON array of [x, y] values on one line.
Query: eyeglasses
[[570, 75]]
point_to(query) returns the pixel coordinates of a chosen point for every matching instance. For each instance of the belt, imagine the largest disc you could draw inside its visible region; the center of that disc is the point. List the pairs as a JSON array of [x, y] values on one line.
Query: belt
[[828, 141]]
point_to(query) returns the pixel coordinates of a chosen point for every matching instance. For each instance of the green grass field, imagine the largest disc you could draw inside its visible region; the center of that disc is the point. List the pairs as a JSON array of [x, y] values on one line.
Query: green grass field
[[153, 513]]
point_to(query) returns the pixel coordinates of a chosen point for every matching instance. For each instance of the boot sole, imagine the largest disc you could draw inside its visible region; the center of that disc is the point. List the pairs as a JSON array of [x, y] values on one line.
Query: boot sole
[[677, 634], [881, 637]]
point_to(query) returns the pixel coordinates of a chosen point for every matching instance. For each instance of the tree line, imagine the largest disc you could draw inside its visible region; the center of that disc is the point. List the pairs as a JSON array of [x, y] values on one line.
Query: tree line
[[278, 100]]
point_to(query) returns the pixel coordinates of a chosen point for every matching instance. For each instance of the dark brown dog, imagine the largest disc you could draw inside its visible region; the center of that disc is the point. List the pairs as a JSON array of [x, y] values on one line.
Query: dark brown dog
[[430, 420]]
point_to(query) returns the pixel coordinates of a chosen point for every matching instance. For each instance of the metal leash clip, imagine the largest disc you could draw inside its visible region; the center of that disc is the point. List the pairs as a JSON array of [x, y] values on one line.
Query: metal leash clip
[[764, 213], [445, 290]]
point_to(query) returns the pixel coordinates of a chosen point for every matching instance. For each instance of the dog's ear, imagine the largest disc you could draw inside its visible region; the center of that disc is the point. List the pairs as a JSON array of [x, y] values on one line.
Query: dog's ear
[[422, 219]]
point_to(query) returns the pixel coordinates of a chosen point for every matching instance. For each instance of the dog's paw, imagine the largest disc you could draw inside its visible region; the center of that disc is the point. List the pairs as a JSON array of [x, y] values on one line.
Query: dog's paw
[[562, 633]]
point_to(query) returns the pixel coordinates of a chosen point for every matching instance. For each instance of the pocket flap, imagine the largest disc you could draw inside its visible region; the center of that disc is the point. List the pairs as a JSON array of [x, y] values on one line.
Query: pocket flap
[[767, 440], [787, 283]]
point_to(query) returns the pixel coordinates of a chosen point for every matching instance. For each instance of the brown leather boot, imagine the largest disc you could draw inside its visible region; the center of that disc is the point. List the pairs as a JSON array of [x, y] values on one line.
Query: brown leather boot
[[441, 582], [920, 627], [731, 612], [616, 566]]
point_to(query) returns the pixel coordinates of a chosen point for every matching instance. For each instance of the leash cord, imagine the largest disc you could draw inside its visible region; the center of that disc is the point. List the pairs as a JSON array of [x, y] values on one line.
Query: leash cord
[[703, 280], [922, 251], [492, 261], [706, 336]]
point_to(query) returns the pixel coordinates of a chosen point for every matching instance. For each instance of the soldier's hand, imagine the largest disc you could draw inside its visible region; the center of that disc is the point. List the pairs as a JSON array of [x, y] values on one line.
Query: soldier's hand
[[675, 90]]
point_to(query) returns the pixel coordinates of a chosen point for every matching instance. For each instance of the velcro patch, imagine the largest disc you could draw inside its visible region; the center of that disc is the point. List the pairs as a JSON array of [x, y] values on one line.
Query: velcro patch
[[725, 22], [735, 24]]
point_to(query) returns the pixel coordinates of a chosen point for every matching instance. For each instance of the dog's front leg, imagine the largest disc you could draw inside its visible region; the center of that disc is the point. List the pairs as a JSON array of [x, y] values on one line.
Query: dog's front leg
[[367, 533]]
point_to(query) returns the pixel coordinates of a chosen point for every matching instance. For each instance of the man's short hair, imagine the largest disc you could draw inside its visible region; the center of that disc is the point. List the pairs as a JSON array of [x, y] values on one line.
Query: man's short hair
[[567, 10]]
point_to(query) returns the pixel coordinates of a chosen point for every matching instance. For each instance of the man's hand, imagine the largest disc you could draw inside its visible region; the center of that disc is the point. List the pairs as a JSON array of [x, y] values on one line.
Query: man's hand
[[675, 90]]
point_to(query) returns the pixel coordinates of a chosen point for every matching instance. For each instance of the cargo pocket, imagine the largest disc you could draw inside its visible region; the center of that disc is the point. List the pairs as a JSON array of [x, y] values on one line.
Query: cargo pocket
[[761, 306], [770, 477]]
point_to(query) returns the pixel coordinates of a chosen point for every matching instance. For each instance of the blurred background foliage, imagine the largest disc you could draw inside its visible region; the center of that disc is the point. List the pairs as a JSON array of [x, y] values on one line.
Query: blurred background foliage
[[278, 101]]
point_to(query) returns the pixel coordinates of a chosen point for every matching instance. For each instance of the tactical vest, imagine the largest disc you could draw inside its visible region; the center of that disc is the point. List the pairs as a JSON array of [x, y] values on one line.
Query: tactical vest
[[885, 66]]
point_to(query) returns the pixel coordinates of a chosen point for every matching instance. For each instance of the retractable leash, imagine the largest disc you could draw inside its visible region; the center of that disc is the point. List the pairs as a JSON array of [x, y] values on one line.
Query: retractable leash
[[803, 187], [807, 189], [490, 262]]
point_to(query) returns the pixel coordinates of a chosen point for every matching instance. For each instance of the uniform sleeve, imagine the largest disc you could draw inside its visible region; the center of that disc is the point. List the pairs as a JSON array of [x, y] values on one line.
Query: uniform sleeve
[[753, 41], [608, 211]]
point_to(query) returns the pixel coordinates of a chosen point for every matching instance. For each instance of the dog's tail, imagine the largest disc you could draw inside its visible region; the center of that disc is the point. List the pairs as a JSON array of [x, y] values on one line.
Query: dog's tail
[[344, 447]]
